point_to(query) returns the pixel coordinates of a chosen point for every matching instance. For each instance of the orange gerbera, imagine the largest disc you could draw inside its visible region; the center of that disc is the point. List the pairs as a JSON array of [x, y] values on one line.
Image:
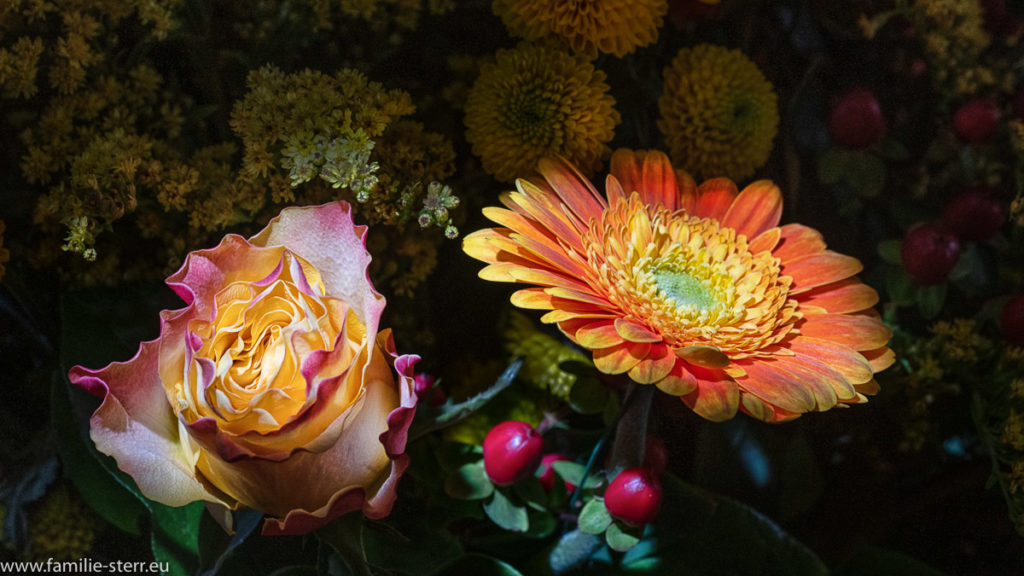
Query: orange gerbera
[[695, 289]]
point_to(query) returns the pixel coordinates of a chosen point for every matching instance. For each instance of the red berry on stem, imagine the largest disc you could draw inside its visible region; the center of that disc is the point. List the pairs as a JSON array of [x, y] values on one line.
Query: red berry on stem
[[655, 455], [1011, 321], [929, 254], [634, 497], [512, 451], [856, 121], [974, 214], [977, 120], [547, 472]]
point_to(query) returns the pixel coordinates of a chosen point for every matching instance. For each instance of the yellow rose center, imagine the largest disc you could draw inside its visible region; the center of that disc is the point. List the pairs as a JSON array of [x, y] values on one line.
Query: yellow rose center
[[246, 371]]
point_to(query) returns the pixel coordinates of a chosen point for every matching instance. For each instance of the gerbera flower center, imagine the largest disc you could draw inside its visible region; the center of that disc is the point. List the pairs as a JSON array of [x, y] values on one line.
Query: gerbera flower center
[[690, 280], [687, 291]]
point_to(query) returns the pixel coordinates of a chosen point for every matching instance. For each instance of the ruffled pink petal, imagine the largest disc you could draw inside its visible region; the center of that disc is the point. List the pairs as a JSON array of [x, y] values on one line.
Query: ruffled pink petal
[[136, 426]]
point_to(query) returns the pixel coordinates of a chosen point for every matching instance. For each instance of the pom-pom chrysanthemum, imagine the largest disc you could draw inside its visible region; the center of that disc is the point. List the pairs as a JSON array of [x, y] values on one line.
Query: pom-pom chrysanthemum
[[695, 289], [535, 101], [719, 114], [587, 26]]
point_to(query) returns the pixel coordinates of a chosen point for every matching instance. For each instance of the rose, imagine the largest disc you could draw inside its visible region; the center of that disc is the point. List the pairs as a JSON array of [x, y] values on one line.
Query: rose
[[272, 388]]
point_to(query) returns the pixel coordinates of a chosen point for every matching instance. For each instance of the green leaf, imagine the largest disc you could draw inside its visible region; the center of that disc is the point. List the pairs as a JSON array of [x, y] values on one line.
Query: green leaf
[[507, 515], [469, 482], [619, 538], [532, 493], [572, 473], [832, 166], [100, 489], [429, 419], [477, 565], [930, 299], [889, 250], [594, 518], [175, 536], [901, 289], [573, 549]]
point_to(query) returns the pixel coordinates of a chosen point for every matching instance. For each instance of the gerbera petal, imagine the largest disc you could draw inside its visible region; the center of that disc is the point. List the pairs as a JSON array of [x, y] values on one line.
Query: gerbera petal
[[687, 190], [678, 382], [819, 269], [848, 362], [798, 240], [659, 181], [714, 197], [634, 332], [656, 366], [598, 335], [703, 356], [578, 295], [844, 297], [856, 332], [614, 190], [756, 209], [755, 407], [533, 299], [716, 398], [573, 188], [771, 382], [765, 241], [880, 358], [622, 358]]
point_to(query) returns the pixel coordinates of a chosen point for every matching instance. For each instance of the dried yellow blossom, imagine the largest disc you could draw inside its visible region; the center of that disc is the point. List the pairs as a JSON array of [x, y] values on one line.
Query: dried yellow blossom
[[959, 340], [953, 36], [1013, 430], [1017, 388], [930, 369], [535, 101], [719, 114]]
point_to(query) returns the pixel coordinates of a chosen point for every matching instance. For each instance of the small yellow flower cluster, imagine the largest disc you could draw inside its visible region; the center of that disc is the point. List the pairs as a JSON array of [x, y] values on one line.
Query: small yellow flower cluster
[[536, 101], [1013, 430], [958, 341], [953, 37], [380, 15], [19, 67], [514, 403], [61, 527], [1016, 477], [541, 355]]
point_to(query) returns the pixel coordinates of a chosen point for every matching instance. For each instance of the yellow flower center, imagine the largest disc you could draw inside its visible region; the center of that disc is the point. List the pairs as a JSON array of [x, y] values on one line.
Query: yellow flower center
[[690, 280]]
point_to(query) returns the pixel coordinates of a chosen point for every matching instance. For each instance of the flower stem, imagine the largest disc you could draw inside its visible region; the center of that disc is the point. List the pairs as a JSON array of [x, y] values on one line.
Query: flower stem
[[631, 432]]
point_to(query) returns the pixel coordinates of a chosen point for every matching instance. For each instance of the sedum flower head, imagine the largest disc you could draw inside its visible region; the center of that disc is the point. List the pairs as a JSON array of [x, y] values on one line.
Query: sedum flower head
[[719, 114], [694, 289], [62, 527], [536, 101], [587, 26]]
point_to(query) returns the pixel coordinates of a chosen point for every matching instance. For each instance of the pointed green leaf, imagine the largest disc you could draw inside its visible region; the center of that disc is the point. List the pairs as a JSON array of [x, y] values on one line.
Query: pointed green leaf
[[573, 549], [504, 513], [572, 473], [889, 250], [930, 299], [469, 482], [620, 539], [594, 518], [430, 419]]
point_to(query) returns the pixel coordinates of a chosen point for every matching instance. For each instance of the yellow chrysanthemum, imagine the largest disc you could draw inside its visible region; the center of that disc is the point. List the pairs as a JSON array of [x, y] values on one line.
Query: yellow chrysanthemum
[[719, 114], [694, 289], [587, 26], [536, 101]]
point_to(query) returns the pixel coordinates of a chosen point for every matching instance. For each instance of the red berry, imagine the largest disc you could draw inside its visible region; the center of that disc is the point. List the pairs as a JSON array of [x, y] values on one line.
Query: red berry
[[634, 497], [976, 120], [856, 121], [512, 451], [974, 214], [929, 254], [547, 472], [1011, 321], [427, 390]]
